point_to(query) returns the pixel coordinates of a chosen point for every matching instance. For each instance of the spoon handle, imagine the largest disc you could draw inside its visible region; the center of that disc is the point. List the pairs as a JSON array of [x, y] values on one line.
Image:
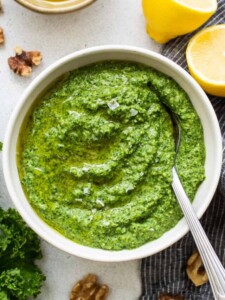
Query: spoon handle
[[213, 266]]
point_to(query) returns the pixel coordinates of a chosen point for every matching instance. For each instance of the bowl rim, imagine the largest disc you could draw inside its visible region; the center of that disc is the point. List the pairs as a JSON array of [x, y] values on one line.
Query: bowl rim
[[109, 256], [54, 7]]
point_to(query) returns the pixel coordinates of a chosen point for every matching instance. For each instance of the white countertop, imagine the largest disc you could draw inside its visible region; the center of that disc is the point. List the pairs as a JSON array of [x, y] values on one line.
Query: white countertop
[[104, 22]]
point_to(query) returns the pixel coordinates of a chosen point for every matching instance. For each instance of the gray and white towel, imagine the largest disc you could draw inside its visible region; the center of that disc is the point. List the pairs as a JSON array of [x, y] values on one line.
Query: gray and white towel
[[165, 271]]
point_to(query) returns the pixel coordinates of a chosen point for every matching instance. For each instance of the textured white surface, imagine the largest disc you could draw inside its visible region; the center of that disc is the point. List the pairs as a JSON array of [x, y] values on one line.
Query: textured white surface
[[104, 22]]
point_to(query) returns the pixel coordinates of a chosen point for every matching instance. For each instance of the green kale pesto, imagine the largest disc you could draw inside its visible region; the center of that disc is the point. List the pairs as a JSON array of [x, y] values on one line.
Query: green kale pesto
[[96, 153]]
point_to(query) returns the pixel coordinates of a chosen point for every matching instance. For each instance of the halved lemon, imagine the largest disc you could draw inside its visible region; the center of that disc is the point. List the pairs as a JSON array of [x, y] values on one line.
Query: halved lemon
[[167, 19], [206, 59]]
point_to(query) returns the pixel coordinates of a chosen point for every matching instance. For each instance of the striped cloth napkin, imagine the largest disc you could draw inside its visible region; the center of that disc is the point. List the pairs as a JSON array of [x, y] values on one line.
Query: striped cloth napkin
[[165, 271]]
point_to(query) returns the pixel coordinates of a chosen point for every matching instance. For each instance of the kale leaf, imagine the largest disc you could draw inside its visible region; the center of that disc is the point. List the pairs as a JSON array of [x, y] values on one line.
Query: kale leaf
[[20, 278]]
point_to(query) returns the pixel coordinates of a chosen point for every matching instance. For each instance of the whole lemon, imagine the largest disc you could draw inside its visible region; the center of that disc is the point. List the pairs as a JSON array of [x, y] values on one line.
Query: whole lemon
[[167, 19]]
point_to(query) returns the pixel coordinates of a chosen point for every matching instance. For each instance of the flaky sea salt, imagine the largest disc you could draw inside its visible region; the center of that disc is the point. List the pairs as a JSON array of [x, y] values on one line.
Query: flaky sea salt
[[79, 200], [86, 191], [85, 169], [106, 223], [74, 113], [133, 112], [113, 104], [99, 201], [94, 210]]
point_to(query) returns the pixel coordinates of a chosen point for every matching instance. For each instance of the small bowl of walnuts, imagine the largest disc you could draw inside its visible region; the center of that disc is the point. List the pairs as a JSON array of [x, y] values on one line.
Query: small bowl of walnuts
[[54, 6]]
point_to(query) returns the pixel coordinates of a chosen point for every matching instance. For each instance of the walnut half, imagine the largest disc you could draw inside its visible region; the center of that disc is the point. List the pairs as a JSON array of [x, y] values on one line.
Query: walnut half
[[195, 270], [23, 61], [2, 38], [170, 297], [89, 289]]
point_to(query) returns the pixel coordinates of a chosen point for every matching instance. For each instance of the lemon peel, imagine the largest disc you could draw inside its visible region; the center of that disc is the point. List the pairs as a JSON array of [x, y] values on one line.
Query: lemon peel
[[167, 19]]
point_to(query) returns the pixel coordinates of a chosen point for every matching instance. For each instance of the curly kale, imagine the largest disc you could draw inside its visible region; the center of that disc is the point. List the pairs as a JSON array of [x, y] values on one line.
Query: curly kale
[[20, 278]]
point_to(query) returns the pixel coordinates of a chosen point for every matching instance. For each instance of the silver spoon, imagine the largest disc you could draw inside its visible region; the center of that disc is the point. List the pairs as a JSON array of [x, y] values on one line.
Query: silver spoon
[[212, 264]]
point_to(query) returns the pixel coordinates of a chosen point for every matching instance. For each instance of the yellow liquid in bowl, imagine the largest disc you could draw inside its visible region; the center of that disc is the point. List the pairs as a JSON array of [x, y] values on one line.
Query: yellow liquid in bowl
[[55, 6]]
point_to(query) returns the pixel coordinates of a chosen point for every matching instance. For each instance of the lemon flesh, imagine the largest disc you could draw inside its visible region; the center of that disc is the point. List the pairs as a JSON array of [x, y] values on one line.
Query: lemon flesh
[[206, 59], [167, 19]]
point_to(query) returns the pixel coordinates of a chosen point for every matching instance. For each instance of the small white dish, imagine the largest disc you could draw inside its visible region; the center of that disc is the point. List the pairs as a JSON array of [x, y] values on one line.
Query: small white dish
[[54, 6]]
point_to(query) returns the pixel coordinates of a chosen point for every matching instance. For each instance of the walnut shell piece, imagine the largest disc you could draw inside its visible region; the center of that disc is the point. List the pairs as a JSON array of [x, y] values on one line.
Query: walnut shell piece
[[23, 61], [89, 289], [2, 38], [195, 270], [19, 67], [170, 297]]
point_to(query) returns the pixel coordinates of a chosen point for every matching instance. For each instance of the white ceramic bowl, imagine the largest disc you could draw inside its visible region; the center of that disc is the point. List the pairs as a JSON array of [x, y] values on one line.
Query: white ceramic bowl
[[212, 136]]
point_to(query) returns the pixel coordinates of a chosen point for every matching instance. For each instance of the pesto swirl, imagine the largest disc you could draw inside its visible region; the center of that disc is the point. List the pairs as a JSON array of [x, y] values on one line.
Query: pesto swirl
[[96, 155]]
